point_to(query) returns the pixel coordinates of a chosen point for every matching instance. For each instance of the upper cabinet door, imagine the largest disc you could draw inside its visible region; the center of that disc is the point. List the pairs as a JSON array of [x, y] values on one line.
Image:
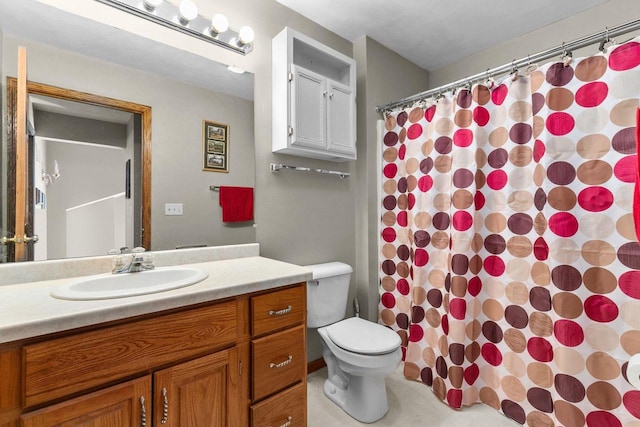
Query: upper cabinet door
[[313, 99], [341, 120], [307, 108]]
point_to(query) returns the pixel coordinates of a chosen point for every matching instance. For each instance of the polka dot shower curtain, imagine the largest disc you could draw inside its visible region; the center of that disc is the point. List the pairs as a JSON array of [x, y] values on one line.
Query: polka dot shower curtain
[[509, 262]]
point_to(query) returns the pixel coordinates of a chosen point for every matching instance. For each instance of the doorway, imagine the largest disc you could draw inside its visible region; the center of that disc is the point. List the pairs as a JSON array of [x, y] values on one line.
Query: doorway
[[33, 88]]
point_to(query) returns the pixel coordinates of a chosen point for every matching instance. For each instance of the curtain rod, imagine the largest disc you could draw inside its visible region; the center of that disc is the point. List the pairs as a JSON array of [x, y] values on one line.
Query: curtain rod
[[602, 37]]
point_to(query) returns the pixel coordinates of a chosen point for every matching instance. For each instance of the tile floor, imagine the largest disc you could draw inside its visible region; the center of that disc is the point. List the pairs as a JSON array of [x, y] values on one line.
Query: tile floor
[[410, 404]]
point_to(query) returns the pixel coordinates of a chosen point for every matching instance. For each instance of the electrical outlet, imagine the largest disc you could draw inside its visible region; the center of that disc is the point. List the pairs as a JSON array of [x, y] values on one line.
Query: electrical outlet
[[173, 208]]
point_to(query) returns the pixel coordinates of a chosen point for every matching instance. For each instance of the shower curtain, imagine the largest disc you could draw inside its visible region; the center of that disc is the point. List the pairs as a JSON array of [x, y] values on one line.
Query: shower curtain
[[509, 260]]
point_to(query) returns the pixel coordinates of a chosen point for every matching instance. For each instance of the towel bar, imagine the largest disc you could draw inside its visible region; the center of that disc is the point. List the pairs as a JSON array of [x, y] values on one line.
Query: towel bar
[[275, 167]]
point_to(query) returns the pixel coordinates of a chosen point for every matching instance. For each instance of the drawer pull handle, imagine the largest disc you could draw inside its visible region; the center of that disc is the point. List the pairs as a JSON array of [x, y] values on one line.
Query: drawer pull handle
[[165, 406], [281, 364], [288, 422], [143, 413], [280, 312]]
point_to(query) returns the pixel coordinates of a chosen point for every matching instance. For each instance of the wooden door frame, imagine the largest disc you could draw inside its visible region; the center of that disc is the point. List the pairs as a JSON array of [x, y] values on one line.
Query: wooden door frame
[[87, 98]]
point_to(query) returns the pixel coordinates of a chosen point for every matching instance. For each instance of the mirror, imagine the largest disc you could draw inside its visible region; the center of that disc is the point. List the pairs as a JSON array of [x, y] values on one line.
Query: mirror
[[181, 89]]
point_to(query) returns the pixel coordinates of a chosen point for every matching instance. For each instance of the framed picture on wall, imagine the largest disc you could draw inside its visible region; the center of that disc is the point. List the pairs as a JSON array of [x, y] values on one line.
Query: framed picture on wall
[[215, 146]]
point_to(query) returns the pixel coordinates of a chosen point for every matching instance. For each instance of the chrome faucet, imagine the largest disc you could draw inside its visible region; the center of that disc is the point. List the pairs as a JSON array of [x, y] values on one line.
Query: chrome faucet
[[139, 262]]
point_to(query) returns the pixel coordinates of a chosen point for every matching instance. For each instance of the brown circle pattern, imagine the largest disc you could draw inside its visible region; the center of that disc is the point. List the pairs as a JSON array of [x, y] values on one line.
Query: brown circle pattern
[[508, 258]]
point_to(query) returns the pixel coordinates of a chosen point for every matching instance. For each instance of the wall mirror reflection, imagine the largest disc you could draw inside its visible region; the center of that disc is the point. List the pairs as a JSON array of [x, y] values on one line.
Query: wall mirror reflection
[[180, 90]]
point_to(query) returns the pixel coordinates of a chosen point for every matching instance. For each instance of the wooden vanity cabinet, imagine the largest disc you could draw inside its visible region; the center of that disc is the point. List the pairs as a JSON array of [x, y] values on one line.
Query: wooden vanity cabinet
[[201, 392], [192, 367]]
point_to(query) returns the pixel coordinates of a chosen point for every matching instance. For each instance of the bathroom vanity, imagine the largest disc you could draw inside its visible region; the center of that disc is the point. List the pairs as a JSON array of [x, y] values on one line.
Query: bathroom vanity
[[228, 351]]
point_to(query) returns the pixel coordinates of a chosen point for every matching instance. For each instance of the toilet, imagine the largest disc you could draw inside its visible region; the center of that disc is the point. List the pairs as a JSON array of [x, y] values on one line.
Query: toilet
[[359, 354]]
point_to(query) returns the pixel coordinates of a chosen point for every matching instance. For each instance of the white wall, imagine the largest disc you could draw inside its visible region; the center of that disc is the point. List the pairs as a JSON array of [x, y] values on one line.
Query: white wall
[[103, 220], [88, 172]]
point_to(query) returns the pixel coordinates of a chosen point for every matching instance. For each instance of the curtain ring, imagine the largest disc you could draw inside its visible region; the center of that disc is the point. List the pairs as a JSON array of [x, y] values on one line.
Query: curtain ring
[[605, 39], [488, 82], [566, 56], [530, 67], [514, 70]]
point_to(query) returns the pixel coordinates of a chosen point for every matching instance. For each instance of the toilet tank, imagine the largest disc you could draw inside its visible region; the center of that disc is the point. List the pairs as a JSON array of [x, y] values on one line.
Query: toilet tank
[[327, 293]]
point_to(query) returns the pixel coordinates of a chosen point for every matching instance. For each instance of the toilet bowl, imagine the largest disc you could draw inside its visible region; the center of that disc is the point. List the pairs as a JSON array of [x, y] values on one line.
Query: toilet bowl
[[359, 353], [356, 380]]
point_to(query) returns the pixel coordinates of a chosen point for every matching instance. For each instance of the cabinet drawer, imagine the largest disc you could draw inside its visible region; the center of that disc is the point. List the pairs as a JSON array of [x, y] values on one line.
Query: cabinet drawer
[[288, 408], [278, 361], [278, 310], [66, 365]]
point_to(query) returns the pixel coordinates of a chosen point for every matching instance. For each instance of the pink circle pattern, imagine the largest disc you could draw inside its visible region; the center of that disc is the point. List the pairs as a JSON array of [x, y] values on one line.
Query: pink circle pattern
[[509, 262]]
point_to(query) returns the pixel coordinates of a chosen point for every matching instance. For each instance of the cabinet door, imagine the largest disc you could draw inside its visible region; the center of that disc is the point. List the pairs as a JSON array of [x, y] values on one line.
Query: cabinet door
[[341, 120], [199, 393], [308, 92], [124, 405]]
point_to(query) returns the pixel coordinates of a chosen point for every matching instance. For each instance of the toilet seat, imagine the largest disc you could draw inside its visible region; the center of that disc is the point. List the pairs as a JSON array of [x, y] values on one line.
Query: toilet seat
[[363, 337]]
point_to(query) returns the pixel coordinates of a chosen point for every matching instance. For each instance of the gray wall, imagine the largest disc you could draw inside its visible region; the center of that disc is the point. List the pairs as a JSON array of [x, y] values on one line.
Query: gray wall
[[383, 75], [178, 110], [62, 126], [377, 85], [3, 159], [304, 218], [596, 19]]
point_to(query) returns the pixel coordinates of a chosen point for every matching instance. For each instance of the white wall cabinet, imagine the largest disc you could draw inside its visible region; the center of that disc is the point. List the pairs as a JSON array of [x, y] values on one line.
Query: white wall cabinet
[[314, 99]]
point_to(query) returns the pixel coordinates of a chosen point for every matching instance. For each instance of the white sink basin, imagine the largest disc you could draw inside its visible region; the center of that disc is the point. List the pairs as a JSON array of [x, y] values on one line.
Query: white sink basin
[[107, 286]]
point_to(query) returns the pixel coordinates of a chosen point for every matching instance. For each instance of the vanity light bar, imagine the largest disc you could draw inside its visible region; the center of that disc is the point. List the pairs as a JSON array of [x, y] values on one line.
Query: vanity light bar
[[170, 16]]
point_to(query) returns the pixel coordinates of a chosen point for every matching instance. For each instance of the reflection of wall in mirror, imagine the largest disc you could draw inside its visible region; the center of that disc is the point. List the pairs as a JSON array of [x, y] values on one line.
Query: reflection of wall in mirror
[[176, 153]]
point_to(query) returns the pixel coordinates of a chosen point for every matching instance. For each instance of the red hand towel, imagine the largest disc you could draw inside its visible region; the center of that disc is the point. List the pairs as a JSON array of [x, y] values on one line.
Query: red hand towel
[[636, 193], [236, 203]]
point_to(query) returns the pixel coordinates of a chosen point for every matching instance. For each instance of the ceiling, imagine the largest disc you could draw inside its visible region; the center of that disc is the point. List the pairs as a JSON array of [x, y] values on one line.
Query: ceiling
[[435, 33]]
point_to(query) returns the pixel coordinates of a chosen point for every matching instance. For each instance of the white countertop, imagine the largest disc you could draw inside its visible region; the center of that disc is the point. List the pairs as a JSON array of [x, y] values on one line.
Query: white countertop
[[28, 310]]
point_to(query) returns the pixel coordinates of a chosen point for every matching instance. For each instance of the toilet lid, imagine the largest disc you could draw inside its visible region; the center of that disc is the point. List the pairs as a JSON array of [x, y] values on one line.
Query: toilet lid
[[362, 336]]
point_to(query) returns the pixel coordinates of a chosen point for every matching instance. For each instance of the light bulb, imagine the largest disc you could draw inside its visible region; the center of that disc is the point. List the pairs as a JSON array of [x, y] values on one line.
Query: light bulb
[[246, 35], [188, 11], [150, 5], [219, 23]]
